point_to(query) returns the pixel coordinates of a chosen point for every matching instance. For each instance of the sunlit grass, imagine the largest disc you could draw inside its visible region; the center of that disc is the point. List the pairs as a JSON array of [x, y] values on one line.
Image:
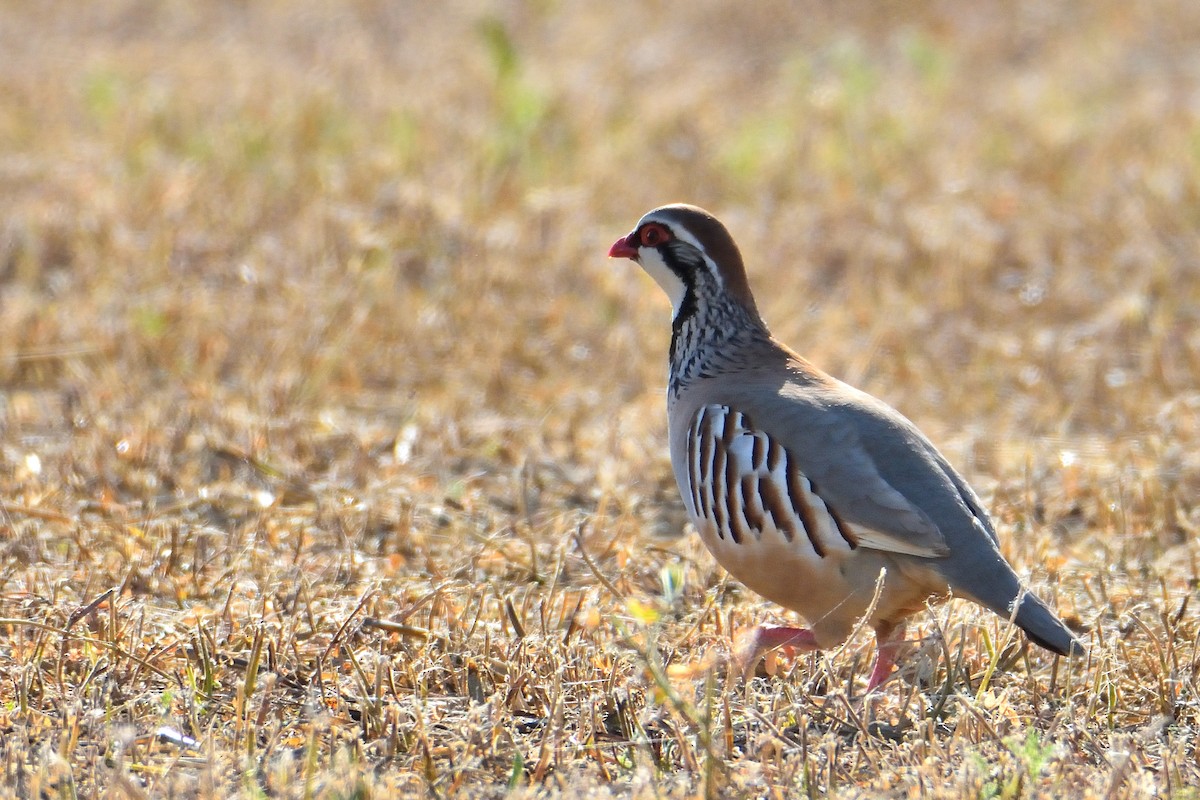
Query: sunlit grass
[[333, 457]]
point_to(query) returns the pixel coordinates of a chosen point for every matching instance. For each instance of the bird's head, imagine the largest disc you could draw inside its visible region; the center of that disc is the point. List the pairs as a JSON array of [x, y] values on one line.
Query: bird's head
[[690, 254]]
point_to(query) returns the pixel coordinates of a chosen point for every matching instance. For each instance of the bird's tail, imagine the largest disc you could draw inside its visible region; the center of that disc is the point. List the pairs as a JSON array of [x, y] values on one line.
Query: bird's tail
[[1044, 628], [984, 576]]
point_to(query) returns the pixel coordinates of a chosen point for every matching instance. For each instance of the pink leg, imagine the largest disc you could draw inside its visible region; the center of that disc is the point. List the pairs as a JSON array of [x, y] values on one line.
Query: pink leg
[[889, 639], [765, 638]]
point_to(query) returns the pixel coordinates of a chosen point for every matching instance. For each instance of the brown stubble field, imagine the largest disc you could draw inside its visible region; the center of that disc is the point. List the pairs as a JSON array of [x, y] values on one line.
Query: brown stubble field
[[332, 449]]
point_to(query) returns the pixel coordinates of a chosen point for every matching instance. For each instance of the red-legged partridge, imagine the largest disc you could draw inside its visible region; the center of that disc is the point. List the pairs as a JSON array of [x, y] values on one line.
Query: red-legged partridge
[[805, 489]]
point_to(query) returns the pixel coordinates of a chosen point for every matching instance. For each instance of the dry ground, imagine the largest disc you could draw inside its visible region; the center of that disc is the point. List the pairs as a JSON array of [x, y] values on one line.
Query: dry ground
[[332, 452]]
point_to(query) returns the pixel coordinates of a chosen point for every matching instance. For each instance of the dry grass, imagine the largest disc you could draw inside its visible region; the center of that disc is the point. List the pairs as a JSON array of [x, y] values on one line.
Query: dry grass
[[332, 450]]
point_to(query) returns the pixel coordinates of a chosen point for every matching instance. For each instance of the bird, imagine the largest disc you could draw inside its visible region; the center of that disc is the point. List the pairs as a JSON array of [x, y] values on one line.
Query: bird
[[813, 494]]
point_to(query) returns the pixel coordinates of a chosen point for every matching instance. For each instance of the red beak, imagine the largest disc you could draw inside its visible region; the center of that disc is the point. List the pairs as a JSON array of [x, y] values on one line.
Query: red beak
[[623, 249]]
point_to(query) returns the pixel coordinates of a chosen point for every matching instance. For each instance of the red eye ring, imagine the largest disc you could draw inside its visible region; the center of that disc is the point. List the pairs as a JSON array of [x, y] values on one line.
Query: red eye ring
[[653, 234]]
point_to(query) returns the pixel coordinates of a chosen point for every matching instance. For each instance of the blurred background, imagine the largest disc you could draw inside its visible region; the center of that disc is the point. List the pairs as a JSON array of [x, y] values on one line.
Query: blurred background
[[342, 266], [990, 209]]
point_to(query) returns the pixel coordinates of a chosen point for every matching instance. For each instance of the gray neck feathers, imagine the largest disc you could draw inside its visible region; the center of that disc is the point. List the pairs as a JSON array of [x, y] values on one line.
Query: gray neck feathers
[[710, 334]]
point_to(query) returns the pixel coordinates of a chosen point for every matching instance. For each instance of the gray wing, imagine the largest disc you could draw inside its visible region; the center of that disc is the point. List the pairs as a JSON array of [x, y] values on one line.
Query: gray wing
[[868, 463]]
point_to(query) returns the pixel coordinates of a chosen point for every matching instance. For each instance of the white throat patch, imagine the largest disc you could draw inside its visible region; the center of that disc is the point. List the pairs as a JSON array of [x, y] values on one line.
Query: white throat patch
[[652, 261]]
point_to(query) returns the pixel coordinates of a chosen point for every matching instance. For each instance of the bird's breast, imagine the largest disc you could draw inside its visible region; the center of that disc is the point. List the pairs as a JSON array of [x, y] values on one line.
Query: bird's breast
[[757, 512]]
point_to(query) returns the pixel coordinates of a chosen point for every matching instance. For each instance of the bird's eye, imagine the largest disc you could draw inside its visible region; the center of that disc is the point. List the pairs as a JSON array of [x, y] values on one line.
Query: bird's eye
[[652, 235]]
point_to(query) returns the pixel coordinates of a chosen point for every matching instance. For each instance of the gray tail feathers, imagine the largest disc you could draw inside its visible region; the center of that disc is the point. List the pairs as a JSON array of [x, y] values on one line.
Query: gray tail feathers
[[1044, 628]]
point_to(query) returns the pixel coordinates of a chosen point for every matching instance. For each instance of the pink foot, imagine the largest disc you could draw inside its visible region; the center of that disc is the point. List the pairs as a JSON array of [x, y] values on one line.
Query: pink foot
[[754, 645], [889, 639]]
